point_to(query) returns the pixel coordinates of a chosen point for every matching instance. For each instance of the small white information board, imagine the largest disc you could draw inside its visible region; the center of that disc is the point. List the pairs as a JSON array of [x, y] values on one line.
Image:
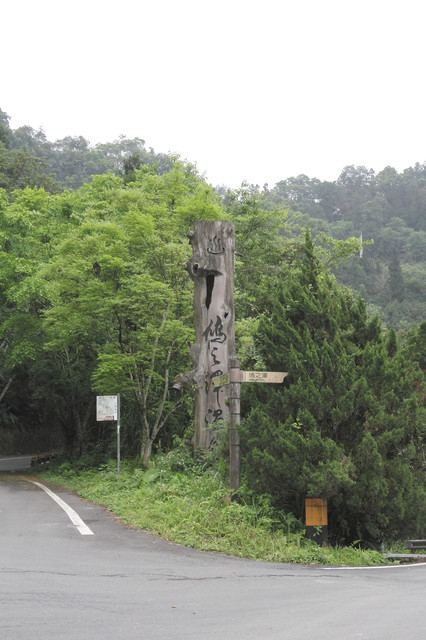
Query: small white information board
[[106, 408]]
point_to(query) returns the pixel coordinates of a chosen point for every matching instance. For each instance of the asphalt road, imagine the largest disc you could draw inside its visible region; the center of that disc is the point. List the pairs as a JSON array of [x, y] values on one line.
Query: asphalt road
[[122, 582], [15, 463]]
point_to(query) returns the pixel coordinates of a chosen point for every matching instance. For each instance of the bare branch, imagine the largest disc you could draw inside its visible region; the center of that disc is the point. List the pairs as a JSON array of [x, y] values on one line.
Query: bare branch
[[6, 388]]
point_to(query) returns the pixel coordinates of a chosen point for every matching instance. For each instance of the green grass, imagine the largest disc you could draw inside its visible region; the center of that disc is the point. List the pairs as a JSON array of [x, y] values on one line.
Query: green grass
[[193, 508]]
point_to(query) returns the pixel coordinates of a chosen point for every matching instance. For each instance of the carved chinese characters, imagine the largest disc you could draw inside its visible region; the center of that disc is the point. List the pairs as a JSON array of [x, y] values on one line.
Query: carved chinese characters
[[212, 269]]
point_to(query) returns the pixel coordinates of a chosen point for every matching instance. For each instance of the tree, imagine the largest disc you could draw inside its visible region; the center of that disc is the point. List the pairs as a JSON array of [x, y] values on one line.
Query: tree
[[130, 164], [396, 279], [116, 301], [27, 158], [348, 421], [388, 208], [20, 169], [4, 129], [28, 224]]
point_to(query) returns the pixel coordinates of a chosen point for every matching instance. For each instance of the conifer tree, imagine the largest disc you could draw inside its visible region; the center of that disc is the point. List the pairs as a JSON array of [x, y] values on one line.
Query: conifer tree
[[348, 424]]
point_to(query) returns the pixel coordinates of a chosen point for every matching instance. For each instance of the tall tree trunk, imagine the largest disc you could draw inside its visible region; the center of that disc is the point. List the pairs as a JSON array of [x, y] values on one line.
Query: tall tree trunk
[[146, 450]]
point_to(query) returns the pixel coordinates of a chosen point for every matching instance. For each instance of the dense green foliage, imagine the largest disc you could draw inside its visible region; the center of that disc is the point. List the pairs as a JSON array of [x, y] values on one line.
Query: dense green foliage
[[350, 424], [28, 158], [95, 299], [388, 208]]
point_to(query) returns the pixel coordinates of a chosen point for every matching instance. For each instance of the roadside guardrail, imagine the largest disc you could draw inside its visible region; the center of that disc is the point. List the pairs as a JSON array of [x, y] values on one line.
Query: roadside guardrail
[[42, 458]]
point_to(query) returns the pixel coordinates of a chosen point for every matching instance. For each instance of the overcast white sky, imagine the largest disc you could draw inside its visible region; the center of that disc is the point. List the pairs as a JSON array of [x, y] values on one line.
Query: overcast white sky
[[248, 90]]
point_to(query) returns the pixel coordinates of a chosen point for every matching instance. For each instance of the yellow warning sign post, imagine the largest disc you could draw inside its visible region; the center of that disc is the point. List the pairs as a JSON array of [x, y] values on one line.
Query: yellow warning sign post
[[316, 520]]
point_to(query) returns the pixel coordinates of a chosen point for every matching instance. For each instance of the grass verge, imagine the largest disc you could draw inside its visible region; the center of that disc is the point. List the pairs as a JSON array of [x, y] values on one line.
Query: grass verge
[[193, 508]]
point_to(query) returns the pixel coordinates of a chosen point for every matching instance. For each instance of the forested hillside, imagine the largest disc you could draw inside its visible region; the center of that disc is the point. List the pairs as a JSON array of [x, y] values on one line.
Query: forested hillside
[[95, 299], [389, 209], [28, 158]]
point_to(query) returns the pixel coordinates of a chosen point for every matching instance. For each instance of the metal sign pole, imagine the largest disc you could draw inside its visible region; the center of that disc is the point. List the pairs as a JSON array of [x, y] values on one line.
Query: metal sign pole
[[118, 434], [108, 408]]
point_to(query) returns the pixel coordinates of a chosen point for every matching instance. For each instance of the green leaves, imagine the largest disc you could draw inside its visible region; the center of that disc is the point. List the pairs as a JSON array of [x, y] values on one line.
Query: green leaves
[[347, 420], [96, 278]]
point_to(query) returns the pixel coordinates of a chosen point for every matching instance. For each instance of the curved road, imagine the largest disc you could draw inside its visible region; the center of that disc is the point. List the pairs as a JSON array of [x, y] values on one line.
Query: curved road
[[15, 463], [122, 582]]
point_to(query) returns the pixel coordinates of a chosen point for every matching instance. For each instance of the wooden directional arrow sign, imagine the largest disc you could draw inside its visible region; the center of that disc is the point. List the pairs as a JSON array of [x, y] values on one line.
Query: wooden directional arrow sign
[[250, 376], [263, 376]]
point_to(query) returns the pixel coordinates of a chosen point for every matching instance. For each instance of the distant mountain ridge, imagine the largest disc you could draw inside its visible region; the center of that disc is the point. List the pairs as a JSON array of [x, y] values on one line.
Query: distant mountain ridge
[[388, 208]]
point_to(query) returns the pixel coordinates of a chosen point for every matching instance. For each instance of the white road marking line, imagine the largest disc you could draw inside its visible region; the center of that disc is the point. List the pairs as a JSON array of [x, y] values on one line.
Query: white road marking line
[[72, 515], [383, 566]]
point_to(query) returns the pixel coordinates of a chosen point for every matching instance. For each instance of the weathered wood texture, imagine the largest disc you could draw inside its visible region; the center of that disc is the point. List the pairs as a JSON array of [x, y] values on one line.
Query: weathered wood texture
[[212, 270], [316, 512]]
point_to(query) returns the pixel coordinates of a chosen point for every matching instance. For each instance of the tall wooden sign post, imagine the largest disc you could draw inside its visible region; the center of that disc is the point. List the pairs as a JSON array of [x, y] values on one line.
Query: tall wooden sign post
[[212, 270], [216, 374]]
